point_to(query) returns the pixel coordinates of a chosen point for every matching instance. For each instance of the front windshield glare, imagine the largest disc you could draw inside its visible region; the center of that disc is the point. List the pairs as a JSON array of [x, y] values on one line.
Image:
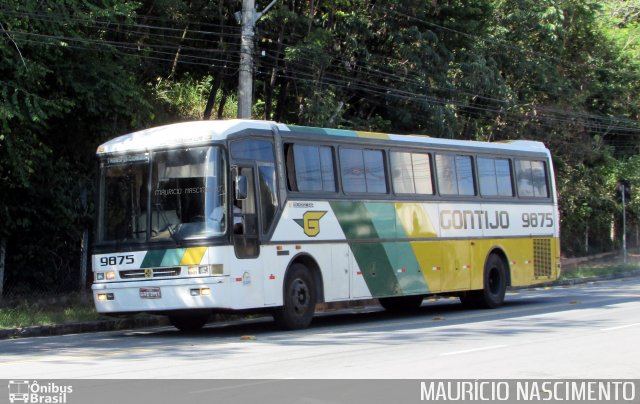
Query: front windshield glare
[[182, 198], [188, 194]]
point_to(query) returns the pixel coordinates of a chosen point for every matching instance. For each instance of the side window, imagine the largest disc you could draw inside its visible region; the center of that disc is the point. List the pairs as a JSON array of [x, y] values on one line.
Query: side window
[[455, 175], [411, 173], [495, 177], [532, 179], [362, 171], [252, 149], [312, 168]]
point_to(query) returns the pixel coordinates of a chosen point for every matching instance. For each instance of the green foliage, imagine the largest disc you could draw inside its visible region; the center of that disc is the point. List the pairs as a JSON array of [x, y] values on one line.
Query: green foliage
[[74, 73], [63, 91]]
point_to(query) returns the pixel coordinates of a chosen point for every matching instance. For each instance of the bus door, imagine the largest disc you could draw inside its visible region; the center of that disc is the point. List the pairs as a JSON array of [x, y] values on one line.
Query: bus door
[[246, 241], [254, 178]]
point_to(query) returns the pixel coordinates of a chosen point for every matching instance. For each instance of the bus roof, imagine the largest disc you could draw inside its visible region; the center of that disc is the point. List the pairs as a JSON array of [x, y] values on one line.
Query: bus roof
[[198, 132]]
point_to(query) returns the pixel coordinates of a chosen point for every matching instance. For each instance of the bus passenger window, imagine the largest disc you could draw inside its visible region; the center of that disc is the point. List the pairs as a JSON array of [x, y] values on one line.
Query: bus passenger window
[[455, 175], [313, 166], [532, 179], [495, 177], [411, 173], [362, 171]]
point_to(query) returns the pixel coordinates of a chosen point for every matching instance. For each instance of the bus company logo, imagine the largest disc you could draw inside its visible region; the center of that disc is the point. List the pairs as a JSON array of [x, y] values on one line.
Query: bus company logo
[[310, 222], [31, 392]]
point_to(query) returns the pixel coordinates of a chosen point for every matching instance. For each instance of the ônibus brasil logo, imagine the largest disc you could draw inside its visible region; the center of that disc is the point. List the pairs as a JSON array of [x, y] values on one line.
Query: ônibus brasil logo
[[25, 391]]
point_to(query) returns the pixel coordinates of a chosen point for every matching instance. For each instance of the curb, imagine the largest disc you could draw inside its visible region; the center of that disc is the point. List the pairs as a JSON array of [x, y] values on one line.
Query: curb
[[84, 327], [158, 321]]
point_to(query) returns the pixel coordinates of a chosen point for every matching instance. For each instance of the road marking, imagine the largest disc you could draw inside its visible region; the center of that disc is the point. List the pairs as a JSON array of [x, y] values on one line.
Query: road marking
[[620, 327], [486, 348]]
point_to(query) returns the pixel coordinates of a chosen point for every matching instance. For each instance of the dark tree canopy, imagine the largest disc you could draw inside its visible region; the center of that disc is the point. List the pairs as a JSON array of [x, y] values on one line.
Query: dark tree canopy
[[74, 73]]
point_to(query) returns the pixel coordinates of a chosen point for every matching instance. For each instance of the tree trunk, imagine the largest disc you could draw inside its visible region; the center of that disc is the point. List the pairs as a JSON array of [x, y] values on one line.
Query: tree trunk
[[177, 57], [84, 258], [212, 95], [284, 87], [223, 101], [274, 75], [3, 249]]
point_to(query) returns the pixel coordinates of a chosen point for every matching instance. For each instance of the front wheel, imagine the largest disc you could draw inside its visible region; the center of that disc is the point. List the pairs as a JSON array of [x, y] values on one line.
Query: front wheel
[[299, 300]]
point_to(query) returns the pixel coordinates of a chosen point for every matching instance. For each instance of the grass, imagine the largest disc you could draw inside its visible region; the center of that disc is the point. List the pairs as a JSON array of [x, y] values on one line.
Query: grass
[[24, 313], [597, 270]]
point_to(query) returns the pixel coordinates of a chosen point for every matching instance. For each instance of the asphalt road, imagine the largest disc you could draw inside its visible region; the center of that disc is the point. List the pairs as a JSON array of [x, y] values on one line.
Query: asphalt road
[[582, 331]]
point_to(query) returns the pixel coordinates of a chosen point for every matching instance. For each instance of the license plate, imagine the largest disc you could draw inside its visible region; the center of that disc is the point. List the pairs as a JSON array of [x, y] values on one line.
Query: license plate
[[150, 293]]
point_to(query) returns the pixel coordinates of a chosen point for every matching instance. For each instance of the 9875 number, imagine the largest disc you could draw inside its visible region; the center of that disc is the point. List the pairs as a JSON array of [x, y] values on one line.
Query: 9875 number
[[117, 260], [537, 220]]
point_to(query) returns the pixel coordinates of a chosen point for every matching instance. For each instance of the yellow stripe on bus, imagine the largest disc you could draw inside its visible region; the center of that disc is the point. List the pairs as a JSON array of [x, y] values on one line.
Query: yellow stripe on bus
[[193, 256]]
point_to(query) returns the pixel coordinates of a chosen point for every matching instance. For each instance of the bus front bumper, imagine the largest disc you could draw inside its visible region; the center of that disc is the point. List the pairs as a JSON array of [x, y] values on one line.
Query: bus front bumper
[[160, 296]]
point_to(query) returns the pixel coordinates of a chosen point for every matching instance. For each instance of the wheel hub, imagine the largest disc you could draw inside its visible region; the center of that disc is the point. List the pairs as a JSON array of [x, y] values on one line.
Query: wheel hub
[[300, 296]]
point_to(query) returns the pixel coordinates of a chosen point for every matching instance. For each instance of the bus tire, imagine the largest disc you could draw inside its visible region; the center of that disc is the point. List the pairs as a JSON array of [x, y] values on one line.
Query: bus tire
[[399, 304], [189, 321], [495, 283], [299, 299]]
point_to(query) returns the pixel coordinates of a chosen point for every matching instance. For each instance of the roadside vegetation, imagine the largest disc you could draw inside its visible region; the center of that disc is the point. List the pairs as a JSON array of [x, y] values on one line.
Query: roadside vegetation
[[75, 73], [598, 270], [59, 310]]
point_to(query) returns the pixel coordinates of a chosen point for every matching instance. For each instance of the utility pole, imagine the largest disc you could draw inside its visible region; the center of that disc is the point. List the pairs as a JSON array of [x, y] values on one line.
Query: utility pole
[[248, 17], [624, 227], [245, 84], [624, 192]]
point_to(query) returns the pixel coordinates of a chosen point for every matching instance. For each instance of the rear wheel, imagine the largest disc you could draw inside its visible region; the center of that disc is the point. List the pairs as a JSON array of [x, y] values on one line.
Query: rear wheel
[[189, 321], [495, 283], [299, 299], [401, 303]]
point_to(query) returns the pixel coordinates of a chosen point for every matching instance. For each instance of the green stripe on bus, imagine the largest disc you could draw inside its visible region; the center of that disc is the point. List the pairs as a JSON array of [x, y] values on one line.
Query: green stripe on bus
[[322, 131], [372, 258], [383, 218], [376, 269], [400, 254], [172, 257], [153, 258], [406, 267]]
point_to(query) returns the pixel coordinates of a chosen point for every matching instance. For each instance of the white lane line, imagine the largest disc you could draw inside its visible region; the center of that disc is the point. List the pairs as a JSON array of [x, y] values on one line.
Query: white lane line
[[486, 348], [620, 327]]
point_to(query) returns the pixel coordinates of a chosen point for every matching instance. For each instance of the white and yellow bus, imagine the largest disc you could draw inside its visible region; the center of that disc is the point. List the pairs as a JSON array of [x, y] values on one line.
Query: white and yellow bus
[[237, 215]]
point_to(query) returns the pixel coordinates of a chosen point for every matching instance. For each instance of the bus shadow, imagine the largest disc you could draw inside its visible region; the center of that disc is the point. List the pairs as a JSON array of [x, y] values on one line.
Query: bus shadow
[[434, 322]]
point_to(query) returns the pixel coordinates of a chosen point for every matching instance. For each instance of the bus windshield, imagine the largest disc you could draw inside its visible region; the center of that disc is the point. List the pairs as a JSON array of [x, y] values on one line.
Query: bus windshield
[[178, 195]]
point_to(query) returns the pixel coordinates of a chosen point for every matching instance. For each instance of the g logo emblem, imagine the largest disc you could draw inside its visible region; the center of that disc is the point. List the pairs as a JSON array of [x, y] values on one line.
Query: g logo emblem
[[148, 273], [310, 222]]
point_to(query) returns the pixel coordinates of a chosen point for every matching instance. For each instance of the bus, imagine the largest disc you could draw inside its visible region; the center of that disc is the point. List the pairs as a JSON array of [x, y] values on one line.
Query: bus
[[240, 215]]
